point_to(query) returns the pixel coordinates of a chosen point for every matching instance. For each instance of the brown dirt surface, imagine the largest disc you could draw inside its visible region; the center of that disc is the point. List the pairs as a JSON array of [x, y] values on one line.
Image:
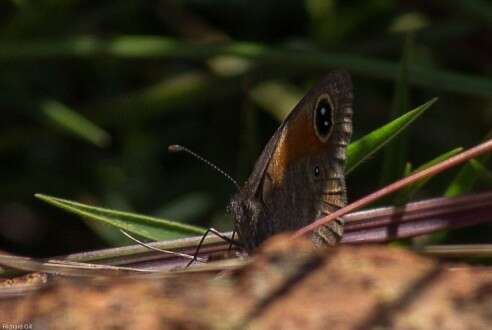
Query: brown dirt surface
[[289, 285]]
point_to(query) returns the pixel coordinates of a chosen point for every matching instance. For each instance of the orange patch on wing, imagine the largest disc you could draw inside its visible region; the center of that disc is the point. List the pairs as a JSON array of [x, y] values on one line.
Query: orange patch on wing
[[298, 140]]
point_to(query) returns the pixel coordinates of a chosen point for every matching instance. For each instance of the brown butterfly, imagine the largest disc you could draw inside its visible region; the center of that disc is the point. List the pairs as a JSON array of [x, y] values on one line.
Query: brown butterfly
[[299, 176]]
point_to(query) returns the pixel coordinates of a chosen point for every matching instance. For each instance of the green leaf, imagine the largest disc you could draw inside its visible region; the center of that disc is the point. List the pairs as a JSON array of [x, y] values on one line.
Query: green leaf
[[366, 146], [72, 122], [145, 226], [409, 191]]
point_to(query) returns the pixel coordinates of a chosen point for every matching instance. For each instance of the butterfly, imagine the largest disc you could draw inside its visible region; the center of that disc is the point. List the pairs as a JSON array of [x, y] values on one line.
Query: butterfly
[[299, 176]]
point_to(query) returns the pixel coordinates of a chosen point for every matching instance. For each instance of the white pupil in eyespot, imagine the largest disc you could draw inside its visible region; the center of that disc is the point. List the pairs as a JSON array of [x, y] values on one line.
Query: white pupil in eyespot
[[316, 171], [323, 111], [326, 123]]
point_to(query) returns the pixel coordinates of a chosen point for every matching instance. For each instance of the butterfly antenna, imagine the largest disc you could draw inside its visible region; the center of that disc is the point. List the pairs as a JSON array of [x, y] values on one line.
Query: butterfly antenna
[[179, 148]]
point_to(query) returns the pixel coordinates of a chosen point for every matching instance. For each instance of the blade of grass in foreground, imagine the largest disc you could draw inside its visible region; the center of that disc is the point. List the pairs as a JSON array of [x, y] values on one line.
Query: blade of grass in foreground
[[145, 226], [366, 146]]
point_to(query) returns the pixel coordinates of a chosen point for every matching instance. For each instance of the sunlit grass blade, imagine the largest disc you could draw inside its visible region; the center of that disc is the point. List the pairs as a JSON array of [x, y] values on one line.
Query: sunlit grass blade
[[396, 152], [466, 178], [408, 192], [74, 123], [366, 146], [145, 226]]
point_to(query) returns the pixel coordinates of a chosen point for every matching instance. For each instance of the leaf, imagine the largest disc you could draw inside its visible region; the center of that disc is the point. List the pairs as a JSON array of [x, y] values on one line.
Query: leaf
[[407, 193], [72, 122], [366, 146], [145, 226]]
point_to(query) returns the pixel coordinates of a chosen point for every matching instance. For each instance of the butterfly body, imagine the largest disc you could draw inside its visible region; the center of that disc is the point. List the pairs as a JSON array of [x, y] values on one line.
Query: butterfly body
[[299, 176]]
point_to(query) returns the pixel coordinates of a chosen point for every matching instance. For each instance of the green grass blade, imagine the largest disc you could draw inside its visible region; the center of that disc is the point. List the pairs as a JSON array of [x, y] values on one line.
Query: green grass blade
[[466, 178], [366, 146], [145, 226], [406, 194], [396, 152], [463, 182], [75, 124]]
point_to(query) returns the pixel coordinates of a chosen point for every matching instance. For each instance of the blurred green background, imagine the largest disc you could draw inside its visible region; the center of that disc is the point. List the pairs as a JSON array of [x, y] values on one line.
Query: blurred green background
[[93, 92]]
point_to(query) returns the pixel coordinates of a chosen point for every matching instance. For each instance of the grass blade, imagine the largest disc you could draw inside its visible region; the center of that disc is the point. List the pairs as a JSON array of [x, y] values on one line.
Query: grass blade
[[145, 226], [460, 158], [74, 123], [366, 146], [465, 180], [408, 192]]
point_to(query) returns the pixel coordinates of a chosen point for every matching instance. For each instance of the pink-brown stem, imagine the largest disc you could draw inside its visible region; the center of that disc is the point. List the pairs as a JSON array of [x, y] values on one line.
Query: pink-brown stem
[[391, 188]]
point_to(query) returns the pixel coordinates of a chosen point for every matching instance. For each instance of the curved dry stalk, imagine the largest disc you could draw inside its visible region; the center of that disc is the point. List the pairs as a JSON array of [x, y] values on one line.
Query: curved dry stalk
[[391, 188]]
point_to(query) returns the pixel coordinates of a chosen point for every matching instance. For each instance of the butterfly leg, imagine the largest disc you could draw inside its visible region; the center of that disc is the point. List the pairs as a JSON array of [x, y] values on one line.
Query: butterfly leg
[[183, 255], [202, 240], [232, 241]]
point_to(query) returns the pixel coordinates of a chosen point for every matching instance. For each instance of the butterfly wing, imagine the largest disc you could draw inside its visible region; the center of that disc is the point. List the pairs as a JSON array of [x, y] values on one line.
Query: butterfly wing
[[300, 175]]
